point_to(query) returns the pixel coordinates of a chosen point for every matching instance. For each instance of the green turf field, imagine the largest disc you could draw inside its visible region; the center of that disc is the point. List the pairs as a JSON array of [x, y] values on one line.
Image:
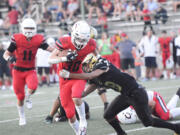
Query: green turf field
[[42, 103]]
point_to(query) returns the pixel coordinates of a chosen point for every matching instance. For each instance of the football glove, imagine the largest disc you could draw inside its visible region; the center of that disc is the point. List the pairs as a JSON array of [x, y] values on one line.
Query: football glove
[[71, 55], [12, 59], [64, 73]]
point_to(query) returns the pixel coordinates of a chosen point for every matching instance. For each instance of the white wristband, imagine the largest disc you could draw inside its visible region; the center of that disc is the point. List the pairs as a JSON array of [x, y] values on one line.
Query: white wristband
[[6, 58], [56, 61]]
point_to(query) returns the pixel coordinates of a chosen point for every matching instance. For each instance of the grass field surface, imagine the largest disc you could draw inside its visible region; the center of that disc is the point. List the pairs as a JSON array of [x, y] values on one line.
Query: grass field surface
[[42, 104]]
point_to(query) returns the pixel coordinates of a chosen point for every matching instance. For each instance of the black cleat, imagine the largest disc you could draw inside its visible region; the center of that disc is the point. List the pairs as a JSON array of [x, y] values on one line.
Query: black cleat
[[178, 92], [49, 119], [177, 128]]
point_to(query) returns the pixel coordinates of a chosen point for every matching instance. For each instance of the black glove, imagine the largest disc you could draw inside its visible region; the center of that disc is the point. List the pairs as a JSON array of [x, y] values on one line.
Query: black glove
[[71, 55], [12, 59]]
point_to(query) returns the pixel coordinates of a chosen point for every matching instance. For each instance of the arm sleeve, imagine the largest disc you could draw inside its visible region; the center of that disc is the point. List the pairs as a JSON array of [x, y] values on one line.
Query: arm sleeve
[[12, 47], [44, 45]]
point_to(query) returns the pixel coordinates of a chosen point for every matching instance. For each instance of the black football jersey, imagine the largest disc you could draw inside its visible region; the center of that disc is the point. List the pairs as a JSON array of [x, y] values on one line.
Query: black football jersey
[[116, 80]]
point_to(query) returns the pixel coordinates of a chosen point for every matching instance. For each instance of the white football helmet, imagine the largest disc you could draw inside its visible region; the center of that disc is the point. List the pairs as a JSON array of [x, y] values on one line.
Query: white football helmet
[[28, 27], [80, 34], [127, 116]]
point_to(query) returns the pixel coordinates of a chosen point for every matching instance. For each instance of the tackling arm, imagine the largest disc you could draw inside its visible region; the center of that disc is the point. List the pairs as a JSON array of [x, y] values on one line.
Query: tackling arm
[[90, 88], [84, 76]]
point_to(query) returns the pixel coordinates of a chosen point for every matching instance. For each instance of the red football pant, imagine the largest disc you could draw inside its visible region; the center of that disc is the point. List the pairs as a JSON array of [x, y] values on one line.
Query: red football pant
[[160, 108], [71, 89], [20, 79]]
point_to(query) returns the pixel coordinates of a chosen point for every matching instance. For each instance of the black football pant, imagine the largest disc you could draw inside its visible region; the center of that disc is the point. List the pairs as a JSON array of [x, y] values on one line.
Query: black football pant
[[139, 100]]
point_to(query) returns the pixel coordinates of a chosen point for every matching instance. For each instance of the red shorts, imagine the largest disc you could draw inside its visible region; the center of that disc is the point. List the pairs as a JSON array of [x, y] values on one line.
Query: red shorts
[[160, 108], [165, 56], [20, 79], [68, 90]]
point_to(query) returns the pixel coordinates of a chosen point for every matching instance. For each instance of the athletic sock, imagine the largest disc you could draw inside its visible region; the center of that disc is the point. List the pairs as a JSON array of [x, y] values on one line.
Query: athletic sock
[[75, 126], [175, 112], [115, 124], [81, 112], [173, 102], [21, 111]]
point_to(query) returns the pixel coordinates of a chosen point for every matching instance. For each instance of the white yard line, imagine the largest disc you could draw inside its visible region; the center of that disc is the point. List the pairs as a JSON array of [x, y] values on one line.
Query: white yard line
[[43, 115]]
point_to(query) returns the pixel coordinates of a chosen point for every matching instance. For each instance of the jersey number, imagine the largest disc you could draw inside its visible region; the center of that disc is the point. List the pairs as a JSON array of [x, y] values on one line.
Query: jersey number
[[113, 86], [27, 55], [74, 66]]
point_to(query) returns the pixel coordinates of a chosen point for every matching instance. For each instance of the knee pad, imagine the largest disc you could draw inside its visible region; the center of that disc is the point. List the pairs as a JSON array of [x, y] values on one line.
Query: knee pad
[[101, 91], [20, 96]]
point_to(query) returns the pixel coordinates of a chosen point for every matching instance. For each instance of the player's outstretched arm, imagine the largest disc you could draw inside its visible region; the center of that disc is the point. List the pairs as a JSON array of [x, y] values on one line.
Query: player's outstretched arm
[[84, 76], [90, 88]]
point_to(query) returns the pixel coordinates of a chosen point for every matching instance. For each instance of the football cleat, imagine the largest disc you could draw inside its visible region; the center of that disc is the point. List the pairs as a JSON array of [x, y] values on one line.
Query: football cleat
[[22, 121], [49, 119], [29, 104], [177, 129], [82, 131]]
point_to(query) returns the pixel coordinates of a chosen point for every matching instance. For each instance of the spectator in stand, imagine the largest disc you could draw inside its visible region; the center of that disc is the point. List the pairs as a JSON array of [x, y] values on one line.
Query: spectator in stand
[[115, 56], [102, 22], [164, 42], [176, 3], [5, 81], [94, 4], [149, 49], [173, 35], [72, 8], [117, 9], [177, 45], [152, 6], [125, 48], [104, 47], [107, 7], [147, 19], [161, 14], [130, 12], [47, 16], [61, 13], [12, 19]]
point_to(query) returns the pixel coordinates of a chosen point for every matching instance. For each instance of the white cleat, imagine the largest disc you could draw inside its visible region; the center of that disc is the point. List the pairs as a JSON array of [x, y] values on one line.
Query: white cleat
[[83, 128], [22, 121], [29, 104]]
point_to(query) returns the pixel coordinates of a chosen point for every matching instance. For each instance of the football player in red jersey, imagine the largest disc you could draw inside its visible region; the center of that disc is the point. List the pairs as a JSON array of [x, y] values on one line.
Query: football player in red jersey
[[25, 45], [164, 42], [71, 89]]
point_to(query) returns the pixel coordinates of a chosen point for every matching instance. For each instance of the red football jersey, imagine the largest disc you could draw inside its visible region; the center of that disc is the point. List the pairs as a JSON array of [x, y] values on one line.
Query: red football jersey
[[75, 66], [165, 43], [26, 50]]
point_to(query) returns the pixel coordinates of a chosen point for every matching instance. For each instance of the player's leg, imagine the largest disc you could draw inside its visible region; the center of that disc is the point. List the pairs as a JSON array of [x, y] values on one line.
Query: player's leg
[[68, 105], [116, 106], [39, 71], [49, 118], [18, 85], [47, 71], [140, 104], [32, 84], [102, 94], [174, 112], [77, 89]]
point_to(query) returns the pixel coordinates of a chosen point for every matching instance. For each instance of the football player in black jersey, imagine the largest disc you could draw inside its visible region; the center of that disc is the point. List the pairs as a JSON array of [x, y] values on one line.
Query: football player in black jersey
[[101, 73]]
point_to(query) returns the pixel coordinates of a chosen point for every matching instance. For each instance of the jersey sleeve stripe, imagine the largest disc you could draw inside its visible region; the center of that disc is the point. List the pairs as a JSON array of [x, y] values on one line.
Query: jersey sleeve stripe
[[59, 45]]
